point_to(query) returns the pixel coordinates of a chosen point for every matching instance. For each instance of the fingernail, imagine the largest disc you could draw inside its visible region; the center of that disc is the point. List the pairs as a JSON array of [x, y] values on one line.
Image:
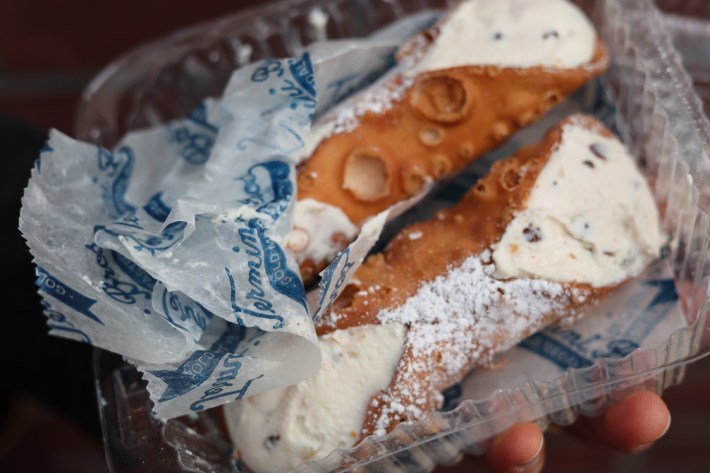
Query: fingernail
[[646, 446], [528, 466], [668, 426], [641, 448]]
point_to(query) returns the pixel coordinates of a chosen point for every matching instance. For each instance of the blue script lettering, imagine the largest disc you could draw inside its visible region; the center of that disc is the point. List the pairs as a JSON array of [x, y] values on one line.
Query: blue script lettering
[[119, 290], [226, 380], [118, 168], [327, 279], [63, 293], [58, 323], [184, 309]]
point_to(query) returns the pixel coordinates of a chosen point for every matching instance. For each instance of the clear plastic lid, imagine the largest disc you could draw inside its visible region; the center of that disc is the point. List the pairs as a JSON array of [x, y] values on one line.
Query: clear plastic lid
[[654, 109]]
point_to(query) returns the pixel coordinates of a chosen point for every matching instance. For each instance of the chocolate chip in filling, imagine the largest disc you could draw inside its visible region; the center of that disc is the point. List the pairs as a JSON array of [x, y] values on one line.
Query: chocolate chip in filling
[[532, 233], [271, 441], [599, 150]]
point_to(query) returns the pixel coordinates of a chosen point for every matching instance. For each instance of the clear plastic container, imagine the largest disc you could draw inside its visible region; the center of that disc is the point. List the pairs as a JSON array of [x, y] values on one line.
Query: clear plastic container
[[689, 26], [657, 113], [688, 8]]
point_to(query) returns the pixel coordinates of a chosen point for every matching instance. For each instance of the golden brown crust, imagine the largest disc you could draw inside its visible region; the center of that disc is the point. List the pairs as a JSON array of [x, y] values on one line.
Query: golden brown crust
[[446, 120], [385, 281], [466, 229]]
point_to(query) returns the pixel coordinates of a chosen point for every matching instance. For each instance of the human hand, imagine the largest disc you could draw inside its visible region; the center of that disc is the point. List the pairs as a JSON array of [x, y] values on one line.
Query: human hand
[[630, 425]]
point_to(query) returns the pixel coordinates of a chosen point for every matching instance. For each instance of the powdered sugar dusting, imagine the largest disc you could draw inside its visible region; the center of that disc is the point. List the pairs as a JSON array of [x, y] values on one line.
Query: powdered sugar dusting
[[415, 49], [378, 99], [380, 96], [416, 235], [462, 319]]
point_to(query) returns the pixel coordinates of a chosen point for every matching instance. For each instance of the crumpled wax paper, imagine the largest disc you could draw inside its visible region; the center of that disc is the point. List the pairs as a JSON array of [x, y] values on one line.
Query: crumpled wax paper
[[167, 249]]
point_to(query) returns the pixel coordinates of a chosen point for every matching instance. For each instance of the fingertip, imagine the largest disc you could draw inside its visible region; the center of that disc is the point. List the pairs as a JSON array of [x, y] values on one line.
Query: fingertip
[[634, 423], [517, 450]]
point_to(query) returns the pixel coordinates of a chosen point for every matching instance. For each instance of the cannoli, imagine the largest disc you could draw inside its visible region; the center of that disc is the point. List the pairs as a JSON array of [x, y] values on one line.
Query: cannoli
[[546, 234], [484, 71]]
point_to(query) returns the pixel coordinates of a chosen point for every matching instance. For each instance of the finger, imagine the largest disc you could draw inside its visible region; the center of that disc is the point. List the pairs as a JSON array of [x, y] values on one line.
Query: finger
[[517, 450], [630, 425], [635, 422]]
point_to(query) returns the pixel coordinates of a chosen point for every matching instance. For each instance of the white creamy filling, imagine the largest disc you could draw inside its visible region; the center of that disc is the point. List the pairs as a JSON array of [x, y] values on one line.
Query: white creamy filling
[[590, 217], [314, 226], [512, 33], [278, 430]]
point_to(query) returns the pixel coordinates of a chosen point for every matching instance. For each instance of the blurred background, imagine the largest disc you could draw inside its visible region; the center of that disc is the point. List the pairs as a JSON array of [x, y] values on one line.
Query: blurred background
[[48, 412]]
